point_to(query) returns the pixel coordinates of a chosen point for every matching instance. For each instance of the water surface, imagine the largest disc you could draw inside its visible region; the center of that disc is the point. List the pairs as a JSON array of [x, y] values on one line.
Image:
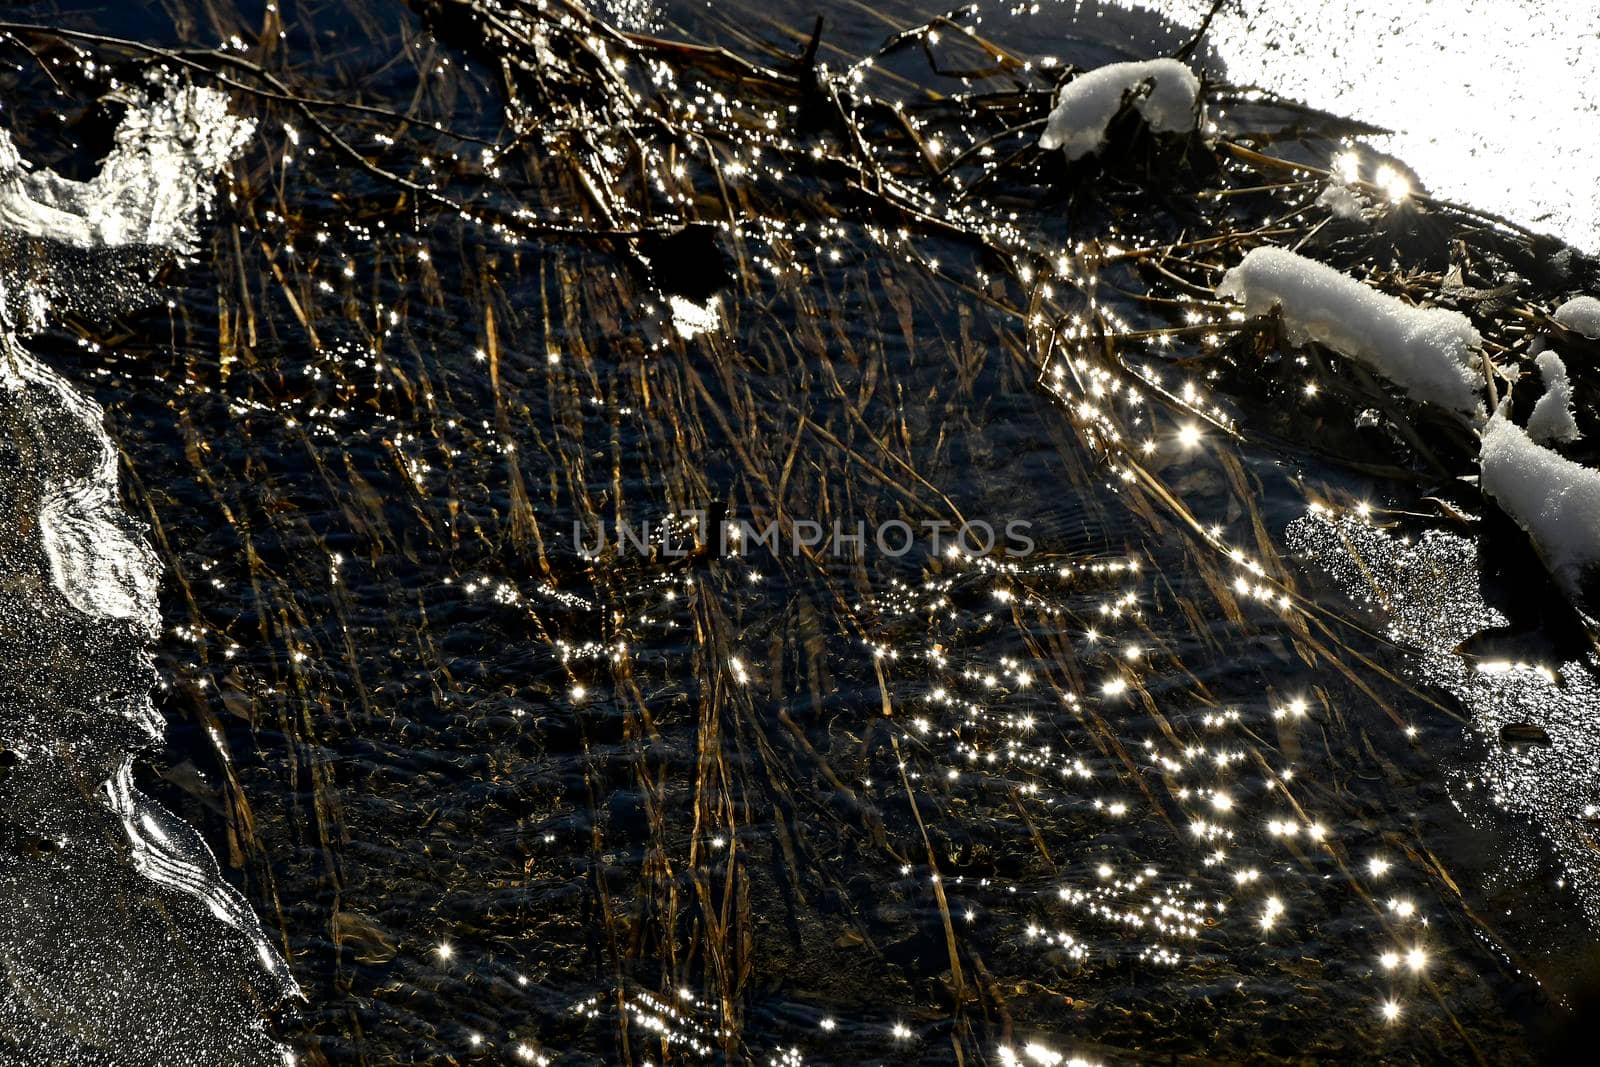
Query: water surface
[[1205, 775]]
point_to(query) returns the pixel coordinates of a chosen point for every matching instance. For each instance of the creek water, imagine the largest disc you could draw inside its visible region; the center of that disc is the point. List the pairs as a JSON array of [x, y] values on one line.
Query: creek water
[[515, 586]]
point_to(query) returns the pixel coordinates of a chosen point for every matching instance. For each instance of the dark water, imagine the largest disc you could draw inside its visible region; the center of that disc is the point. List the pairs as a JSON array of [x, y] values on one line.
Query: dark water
[[1168, 787]]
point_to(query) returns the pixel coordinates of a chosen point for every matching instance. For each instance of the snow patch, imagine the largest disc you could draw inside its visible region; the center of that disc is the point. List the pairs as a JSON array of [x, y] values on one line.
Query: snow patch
[[1554, 499], [1431, 353], [151, 188], [1581, 314], [1552, 416], [1343, 201], [1086, 105]]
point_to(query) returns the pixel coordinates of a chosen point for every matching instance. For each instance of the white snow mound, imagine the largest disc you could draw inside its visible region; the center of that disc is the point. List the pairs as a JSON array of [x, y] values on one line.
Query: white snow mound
[[1554, 499], [1431, 353], [1581, 314], [1552, 416], [1086, 105]]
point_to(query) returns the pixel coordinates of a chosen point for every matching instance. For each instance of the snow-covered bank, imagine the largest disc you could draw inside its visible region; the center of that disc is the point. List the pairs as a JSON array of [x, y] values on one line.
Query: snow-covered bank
[[1431, 353], [148, 955], [1435, 355], [1086, 105]]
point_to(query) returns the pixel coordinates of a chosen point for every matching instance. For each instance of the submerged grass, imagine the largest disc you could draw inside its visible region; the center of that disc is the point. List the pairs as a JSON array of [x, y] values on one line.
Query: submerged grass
[[502, 799]]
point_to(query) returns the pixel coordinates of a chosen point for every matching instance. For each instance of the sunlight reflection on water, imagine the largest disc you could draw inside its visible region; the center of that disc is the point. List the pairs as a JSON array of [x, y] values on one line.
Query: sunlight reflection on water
[[1493, 102]]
